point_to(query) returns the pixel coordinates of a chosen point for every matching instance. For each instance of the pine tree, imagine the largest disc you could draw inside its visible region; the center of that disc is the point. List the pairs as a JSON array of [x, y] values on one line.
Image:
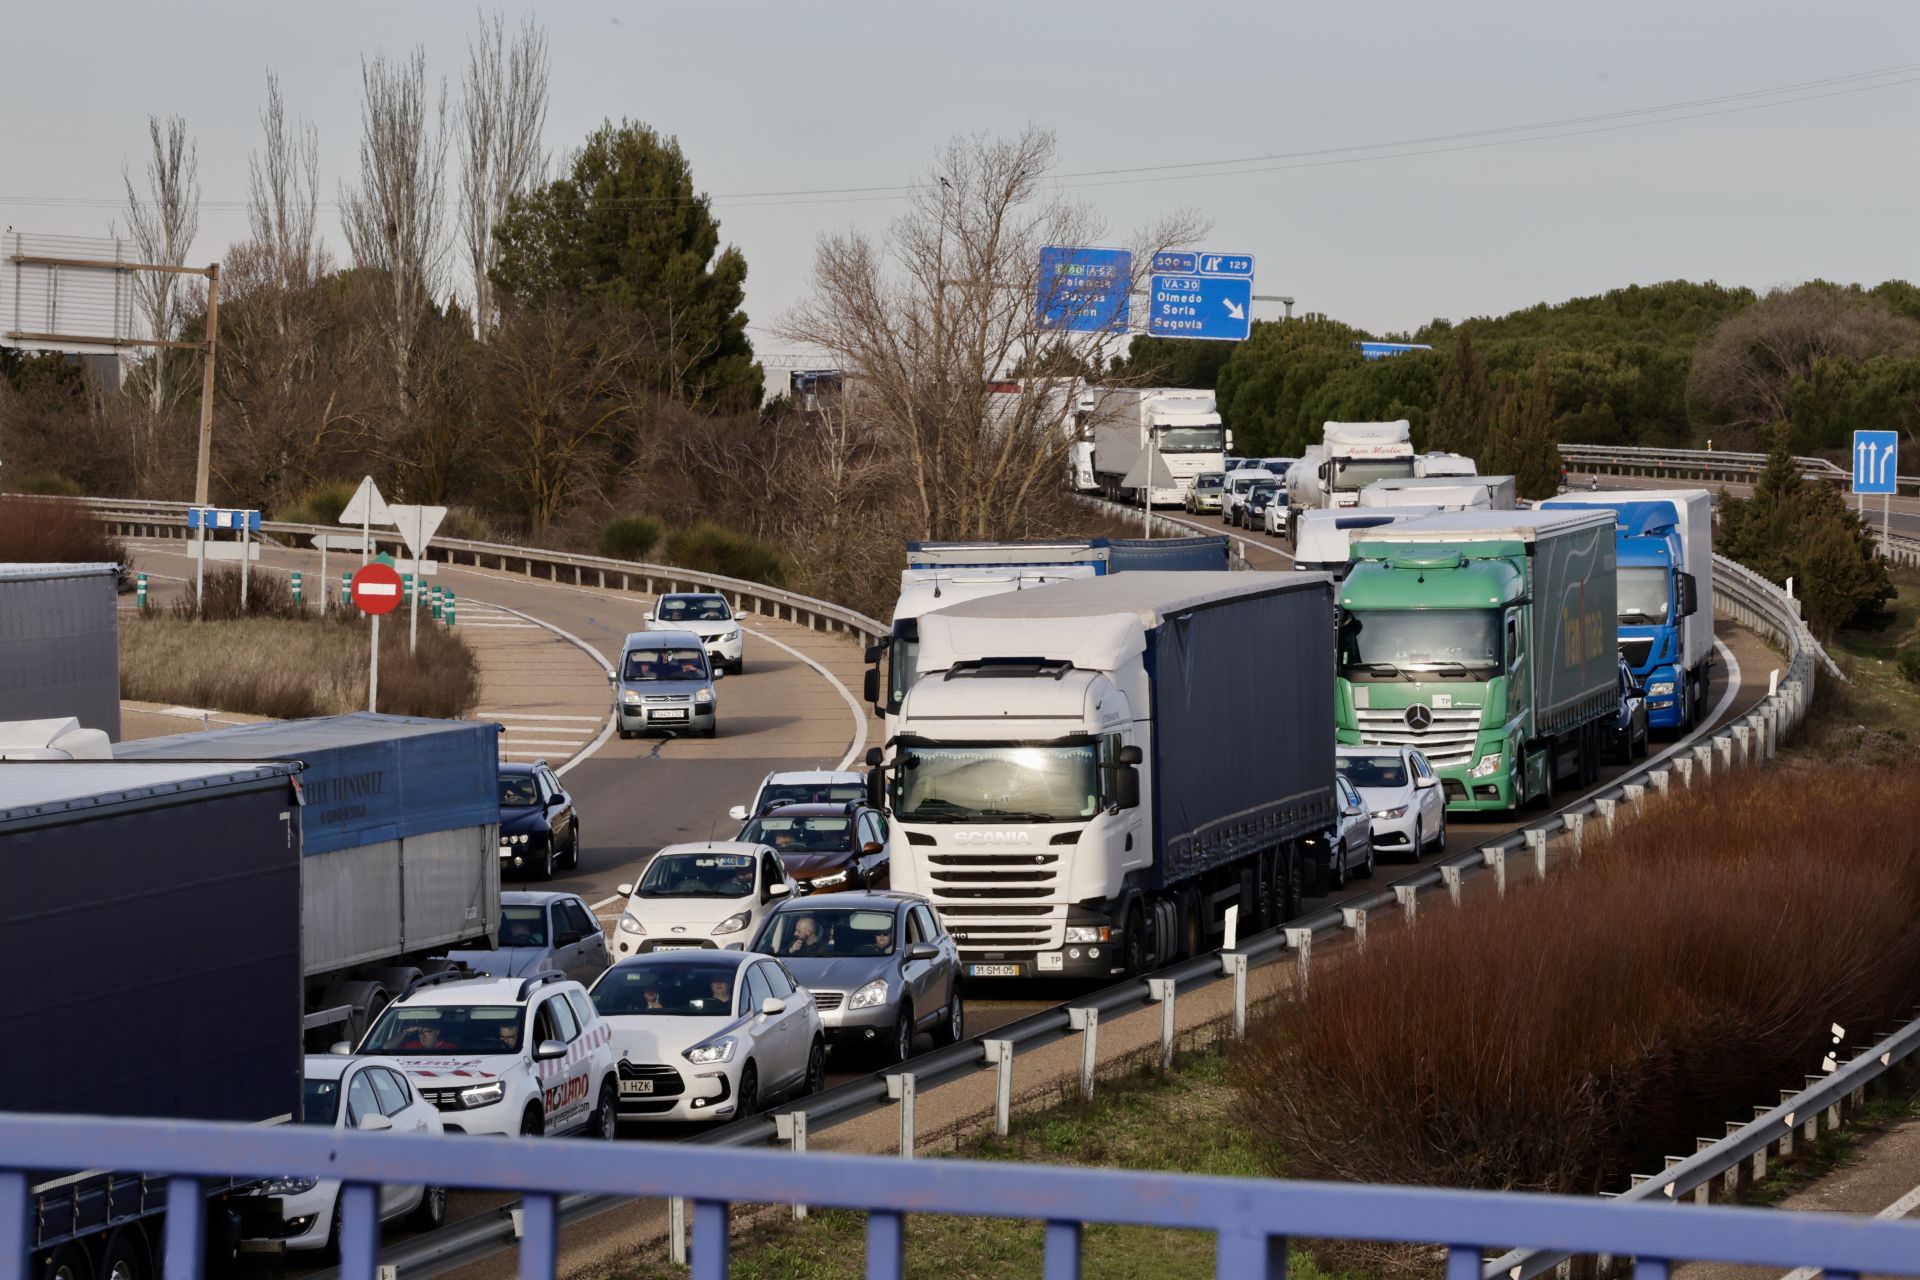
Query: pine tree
[[1463, 406]]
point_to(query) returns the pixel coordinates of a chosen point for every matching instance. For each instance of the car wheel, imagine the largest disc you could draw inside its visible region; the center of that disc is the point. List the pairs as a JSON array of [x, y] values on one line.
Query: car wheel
[[901, 1047], [625, 734], [953, 1027], [532, 1123], [1440, 836], [604, 1126], [739, 665], [1365, 870], [330, 1251], [431, 1212], [749, 1092], [1337, 865], [573, 848], [1419, 841], [816, 1069], [545, 870]]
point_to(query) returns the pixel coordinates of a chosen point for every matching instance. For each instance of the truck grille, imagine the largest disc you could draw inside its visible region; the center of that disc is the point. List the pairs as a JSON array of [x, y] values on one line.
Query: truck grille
[[1636, 651], [993, 900], [1447, 741]]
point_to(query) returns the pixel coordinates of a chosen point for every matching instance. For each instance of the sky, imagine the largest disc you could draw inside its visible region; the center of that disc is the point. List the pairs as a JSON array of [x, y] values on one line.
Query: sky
[[1758, 190]]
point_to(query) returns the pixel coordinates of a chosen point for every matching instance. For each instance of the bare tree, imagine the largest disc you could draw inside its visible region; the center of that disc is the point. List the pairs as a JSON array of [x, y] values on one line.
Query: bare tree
[[928, 320], [503, 112], [392, 219], [283, 190], [163, 223]]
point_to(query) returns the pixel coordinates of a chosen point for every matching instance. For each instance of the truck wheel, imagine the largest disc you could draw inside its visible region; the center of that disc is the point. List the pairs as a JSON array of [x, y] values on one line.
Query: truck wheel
[[396, 978], [69, 1262], [1135, 953], [1251, 921], [1290, 883], [368, 1001], [125, 1257]]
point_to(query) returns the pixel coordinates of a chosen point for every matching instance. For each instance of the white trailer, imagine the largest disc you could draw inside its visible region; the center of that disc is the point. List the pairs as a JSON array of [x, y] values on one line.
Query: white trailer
[[1350, 456], [1179, 426]]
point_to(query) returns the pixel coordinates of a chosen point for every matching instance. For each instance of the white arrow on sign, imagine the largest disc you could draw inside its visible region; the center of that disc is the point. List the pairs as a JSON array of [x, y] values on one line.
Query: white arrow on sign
[[366, 506], [1233, 309], [417, 525], [337, 541]]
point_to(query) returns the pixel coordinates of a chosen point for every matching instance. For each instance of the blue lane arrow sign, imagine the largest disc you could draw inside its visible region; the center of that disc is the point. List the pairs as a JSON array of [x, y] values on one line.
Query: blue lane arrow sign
[[1876, 458], [1216, 308]]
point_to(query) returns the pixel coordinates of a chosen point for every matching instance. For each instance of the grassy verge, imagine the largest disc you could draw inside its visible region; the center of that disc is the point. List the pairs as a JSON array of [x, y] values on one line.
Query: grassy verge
[[293, 666], [1180, 1122], [1873, 716]]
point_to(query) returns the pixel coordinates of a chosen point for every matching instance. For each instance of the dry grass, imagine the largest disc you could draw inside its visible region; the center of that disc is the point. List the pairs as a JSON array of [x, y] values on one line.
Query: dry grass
[[37, 531], [294, 666], [1581, 1030]]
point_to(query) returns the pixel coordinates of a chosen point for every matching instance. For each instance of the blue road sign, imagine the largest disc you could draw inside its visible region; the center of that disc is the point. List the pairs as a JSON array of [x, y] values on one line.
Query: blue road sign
[[1174, 261], [1381, 350], [1226, 264], [1876, 461], [1084, 290], [219, 518], [1194, 306]]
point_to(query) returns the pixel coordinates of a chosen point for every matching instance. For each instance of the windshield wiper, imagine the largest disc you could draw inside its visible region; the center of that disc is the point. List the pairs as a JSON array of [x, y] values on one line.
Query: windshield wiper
[[1445, 666], [1376, 668]]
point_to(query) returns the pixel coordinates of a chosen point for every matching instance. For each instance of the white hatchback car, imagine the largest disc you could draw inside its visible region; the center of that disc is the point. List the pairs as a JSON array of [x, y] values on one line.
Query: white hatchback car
[[803, 786], [1403, 795], [371, 1095], [709, 1035], [707, 615], [701, 897], [507, 1056]]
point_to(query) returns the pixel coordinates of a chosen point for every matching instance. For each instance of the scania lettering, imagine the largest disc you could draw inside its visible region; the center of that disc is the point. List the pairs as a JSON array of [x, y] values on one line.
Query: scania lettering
[[1059, 784], [1484, 639]]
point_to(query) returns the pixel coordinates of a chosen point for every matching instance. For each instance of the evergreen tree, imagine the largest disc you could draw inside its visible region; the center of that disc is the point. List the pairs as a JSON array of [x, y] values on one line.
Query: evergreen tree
[[1463, 405]]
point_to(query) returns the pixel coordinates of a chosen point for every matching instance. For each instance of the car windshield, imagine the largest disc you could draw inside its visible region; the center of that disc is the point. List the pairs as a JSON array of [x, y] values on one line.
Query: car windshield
[[691, 990], [693, 609], [320, 1101], [779, 793], [1643, 596], [523, 926], [1358, 473], [1419, 644], [827, 933], [790, 835], [518, 792], [666, 664], [434, 1030], [1374, 771], [1192, 439], [1209, 480], [697, 875], [1056, 783]]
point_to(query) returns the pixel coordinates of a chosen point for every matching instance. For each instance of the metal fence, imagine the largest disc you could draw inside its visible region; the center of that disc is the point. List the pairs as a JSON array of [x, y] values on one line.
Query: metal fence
[[1251, 1220], [1698, 464]]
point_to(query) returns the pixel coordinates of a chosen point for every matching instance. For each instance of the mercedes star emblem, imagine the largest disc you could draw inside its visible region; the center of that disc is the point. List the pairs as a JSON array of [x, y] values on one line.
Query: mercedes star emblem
[[1419, 717]]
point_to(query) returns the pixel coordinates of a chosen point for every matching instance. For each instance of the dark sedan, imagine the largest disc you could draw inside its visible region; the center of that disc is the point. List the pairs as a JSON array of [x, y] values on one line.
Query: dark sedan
[[1253, 512], [880, 967], [826, 847], [1627, 736], [538, 828]]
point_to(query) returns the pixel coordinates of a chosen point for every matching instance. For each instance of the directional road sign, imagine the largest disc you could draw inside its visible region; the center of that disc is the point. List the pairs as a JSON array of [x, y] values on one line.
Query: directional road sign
[[1876, 461], [1197, 306], [1084, 290], [337, 541], [376, 588], [218, 518], [1381, 350]]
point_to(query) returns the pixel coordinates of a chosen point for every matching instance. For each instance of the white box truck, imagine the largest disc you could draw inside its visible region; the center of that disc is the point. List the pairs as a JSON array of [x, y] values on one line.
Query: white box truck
[[1349, 457], [1180, 426]]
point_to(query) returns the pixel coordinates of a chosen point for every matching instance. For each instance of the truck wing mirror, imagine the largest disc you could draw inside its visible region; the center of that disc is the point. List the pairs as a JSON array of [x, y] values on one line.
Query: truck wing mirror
[[875, 757], [1131, 754], [1689, 595], [870, 690], [875, 652]]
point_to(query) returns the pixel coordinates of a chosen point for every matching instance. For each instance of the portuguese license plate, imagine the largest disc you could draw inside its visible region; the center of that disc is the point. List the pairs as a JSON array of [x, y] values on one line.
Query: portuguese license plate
[[672, 713], [993, 971], [636, 1086]]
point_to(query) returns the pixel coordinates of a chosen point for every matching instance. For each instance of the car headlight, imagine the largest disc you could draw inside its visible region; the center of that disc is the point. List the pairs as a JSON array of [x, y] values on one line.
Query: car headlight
[[1659, 687], [729, 637], [288, 1186], [630, 696], [732, 924], [1089, 933], [703, 695], [630, 923], [712, 1051], [867, 997], [827, 882], [1489, 765], [483, 1095], [1399, 812]]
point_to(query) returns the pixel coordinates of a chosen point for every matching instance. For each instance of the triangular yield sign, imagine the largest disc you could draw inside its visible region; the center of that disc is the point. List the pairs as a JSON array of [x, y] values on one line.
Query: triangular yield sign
[[417, 525], [366, 506], [1137, 474]]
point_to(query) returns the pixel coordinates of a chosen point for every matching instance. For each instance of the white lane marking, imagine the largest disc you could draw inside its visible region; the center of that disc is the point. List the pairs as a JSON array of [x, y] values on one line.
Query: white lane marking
[[465, 625], [1727, 695], [1228, 531], [606, 730], [1898, 1209], [529, 715], [604, 903]]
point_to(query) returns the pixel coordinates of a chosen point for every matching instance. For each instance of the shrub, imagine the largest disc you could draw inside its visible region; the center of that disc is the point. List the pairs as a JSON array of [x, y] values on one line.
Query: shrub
[[321, 504], [269, 595], [1908, 660], [720, 550], [467, 523], [1578, 1031], [38, 531], [629, 537], [50, 484]]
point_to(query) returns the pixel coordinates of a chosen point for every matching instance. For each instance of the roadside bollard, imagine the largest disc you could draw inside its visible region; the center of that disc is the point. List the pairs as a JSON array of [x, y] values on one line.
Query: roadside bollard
[[1576, 823], [140, 590], [1161, 991], [1496, 857], [900, 1089], [677, 1230], [1300, 941], [1355, 918], [1703, 756], [1087, 1023], [1233, 965], [1537, 841], [1605, 806], [448, 610], [1744, 737], [1723, 748], [433, 597], [298, 603], [346, 587], [791, 1126], [1450, 876], [1000, 1056], [1409, 899]]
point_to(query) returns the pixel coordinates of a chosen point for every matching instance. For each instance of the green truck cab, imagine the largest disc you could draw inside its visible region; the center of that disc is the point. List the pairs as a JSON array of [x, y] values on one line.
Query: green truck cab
[[1486, 640]]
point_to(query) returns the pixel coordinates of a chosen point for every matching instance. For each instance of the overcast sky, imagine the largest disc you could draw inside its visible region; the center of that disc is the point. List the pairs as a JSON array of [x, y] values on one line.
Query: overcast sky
[[786, 97]]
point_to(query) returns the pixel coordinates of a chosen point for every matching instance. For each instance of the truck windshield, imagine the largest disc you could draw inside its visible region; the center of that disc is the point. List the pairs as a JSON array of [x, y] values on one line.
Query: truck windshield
[[1192, 439], [1385, 645], [1643, 596], [1358, 473], [1055, 783]]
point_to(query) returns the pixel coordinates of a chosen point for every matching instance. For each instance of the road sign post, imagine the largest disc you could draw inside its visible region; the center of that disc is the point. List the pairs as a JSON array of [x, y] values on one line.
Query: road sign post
[[1876, 469], [366, 508], [417, 526], [375, 590]]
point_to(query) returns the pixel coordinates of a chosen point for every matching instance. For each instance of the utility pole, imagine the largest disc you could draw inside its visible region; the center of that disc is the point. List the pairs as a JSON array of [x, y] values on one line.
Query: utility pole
[[205, 463]]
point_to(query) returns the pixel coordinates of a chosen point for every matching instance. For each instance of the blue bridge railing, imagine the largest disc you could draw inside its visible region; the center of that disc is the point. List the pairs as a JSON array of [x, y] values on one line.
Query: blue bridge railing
[[1251, 1219]]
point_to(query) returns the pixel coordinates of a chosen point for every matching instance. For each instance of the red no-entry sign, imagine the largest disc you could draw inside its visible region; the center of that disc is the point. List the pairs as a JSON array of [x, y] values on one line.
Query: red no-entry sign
[[376, 588]]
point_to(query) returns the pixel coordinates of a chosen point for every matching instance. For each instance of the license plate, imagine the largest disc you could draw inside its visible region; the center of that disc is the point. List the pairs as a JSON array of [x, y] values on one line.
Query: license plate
[[679, 714], [636, 1086], [676, 946], [1051, 960], [993, 971]]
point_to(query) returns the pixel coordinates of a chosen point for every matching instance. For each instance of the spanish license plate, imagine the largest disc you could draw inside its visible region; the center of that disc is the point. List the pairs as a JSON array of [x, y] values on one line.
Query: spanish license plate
[[993, 971], [636, 1086], [676, 946], [672, 713]]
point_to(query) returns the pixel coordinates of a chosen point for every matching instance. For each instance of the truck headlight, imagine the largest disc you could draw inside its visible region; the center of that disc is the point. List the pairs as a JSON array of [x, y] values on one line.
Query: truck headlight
[[712, 1051], [1660, 687], [703, 695], [483, 1095], [630, 923], [1489, 765], [869, 996], [732, 924], [288, 1186], [1399, 812], [1088, 933], [630, 696]]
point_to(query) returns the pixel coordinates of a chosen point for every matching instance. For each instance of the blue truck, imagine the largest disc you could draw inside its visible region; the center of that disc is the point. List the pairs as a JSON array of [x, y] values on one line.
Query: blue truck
[[1663, 544]]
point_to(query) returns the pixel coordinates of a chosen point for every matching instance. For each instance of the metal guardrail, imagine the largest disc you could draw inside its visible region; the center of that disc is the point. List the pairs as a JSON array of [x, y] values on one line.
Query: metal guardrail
[[1251, 1219], [1902, 551], [1698, 464]]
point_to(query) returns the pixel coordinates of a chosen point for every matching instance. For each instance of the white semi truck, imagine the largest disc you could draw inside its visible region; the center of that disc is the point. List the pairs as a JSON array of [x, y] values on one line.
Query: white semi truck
[[1349, 457], [1060, 786], [1180, 426], [1454, 493]]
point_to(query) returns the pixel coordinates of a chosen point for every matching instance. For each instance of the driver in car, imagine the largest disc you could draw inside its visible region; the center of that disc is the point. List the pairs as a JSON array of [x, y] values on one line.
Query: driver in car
[[806, 938]]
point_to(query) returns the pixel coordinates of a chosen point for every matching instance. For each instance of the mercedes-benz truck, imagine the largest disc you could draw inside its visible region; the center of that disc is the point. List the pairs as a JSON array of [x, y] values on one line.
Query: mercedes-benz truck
[[1663, 542], [1486, 640], [1070, 783]]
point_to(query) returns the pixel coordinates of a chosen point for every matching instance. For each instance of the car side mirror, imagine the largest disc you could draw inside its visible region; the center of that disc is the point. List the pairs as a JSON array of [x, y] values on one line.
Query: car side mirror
[[923, 951], [569, 938], [870, 687], [718, 674], [649, 615], [872, 846], [549, 1050], [343, 1048], [779, 889], [557, 799], [1426, 784], [375, 1123], [772, 1005], [738, 813], [613, 677], [624, 890]]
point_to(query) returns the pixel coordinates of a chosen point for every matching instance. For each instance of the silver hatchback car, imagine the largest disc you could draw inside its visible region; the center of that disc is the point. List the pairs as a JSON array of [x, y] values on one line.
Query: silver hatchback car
[[664, 684]]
